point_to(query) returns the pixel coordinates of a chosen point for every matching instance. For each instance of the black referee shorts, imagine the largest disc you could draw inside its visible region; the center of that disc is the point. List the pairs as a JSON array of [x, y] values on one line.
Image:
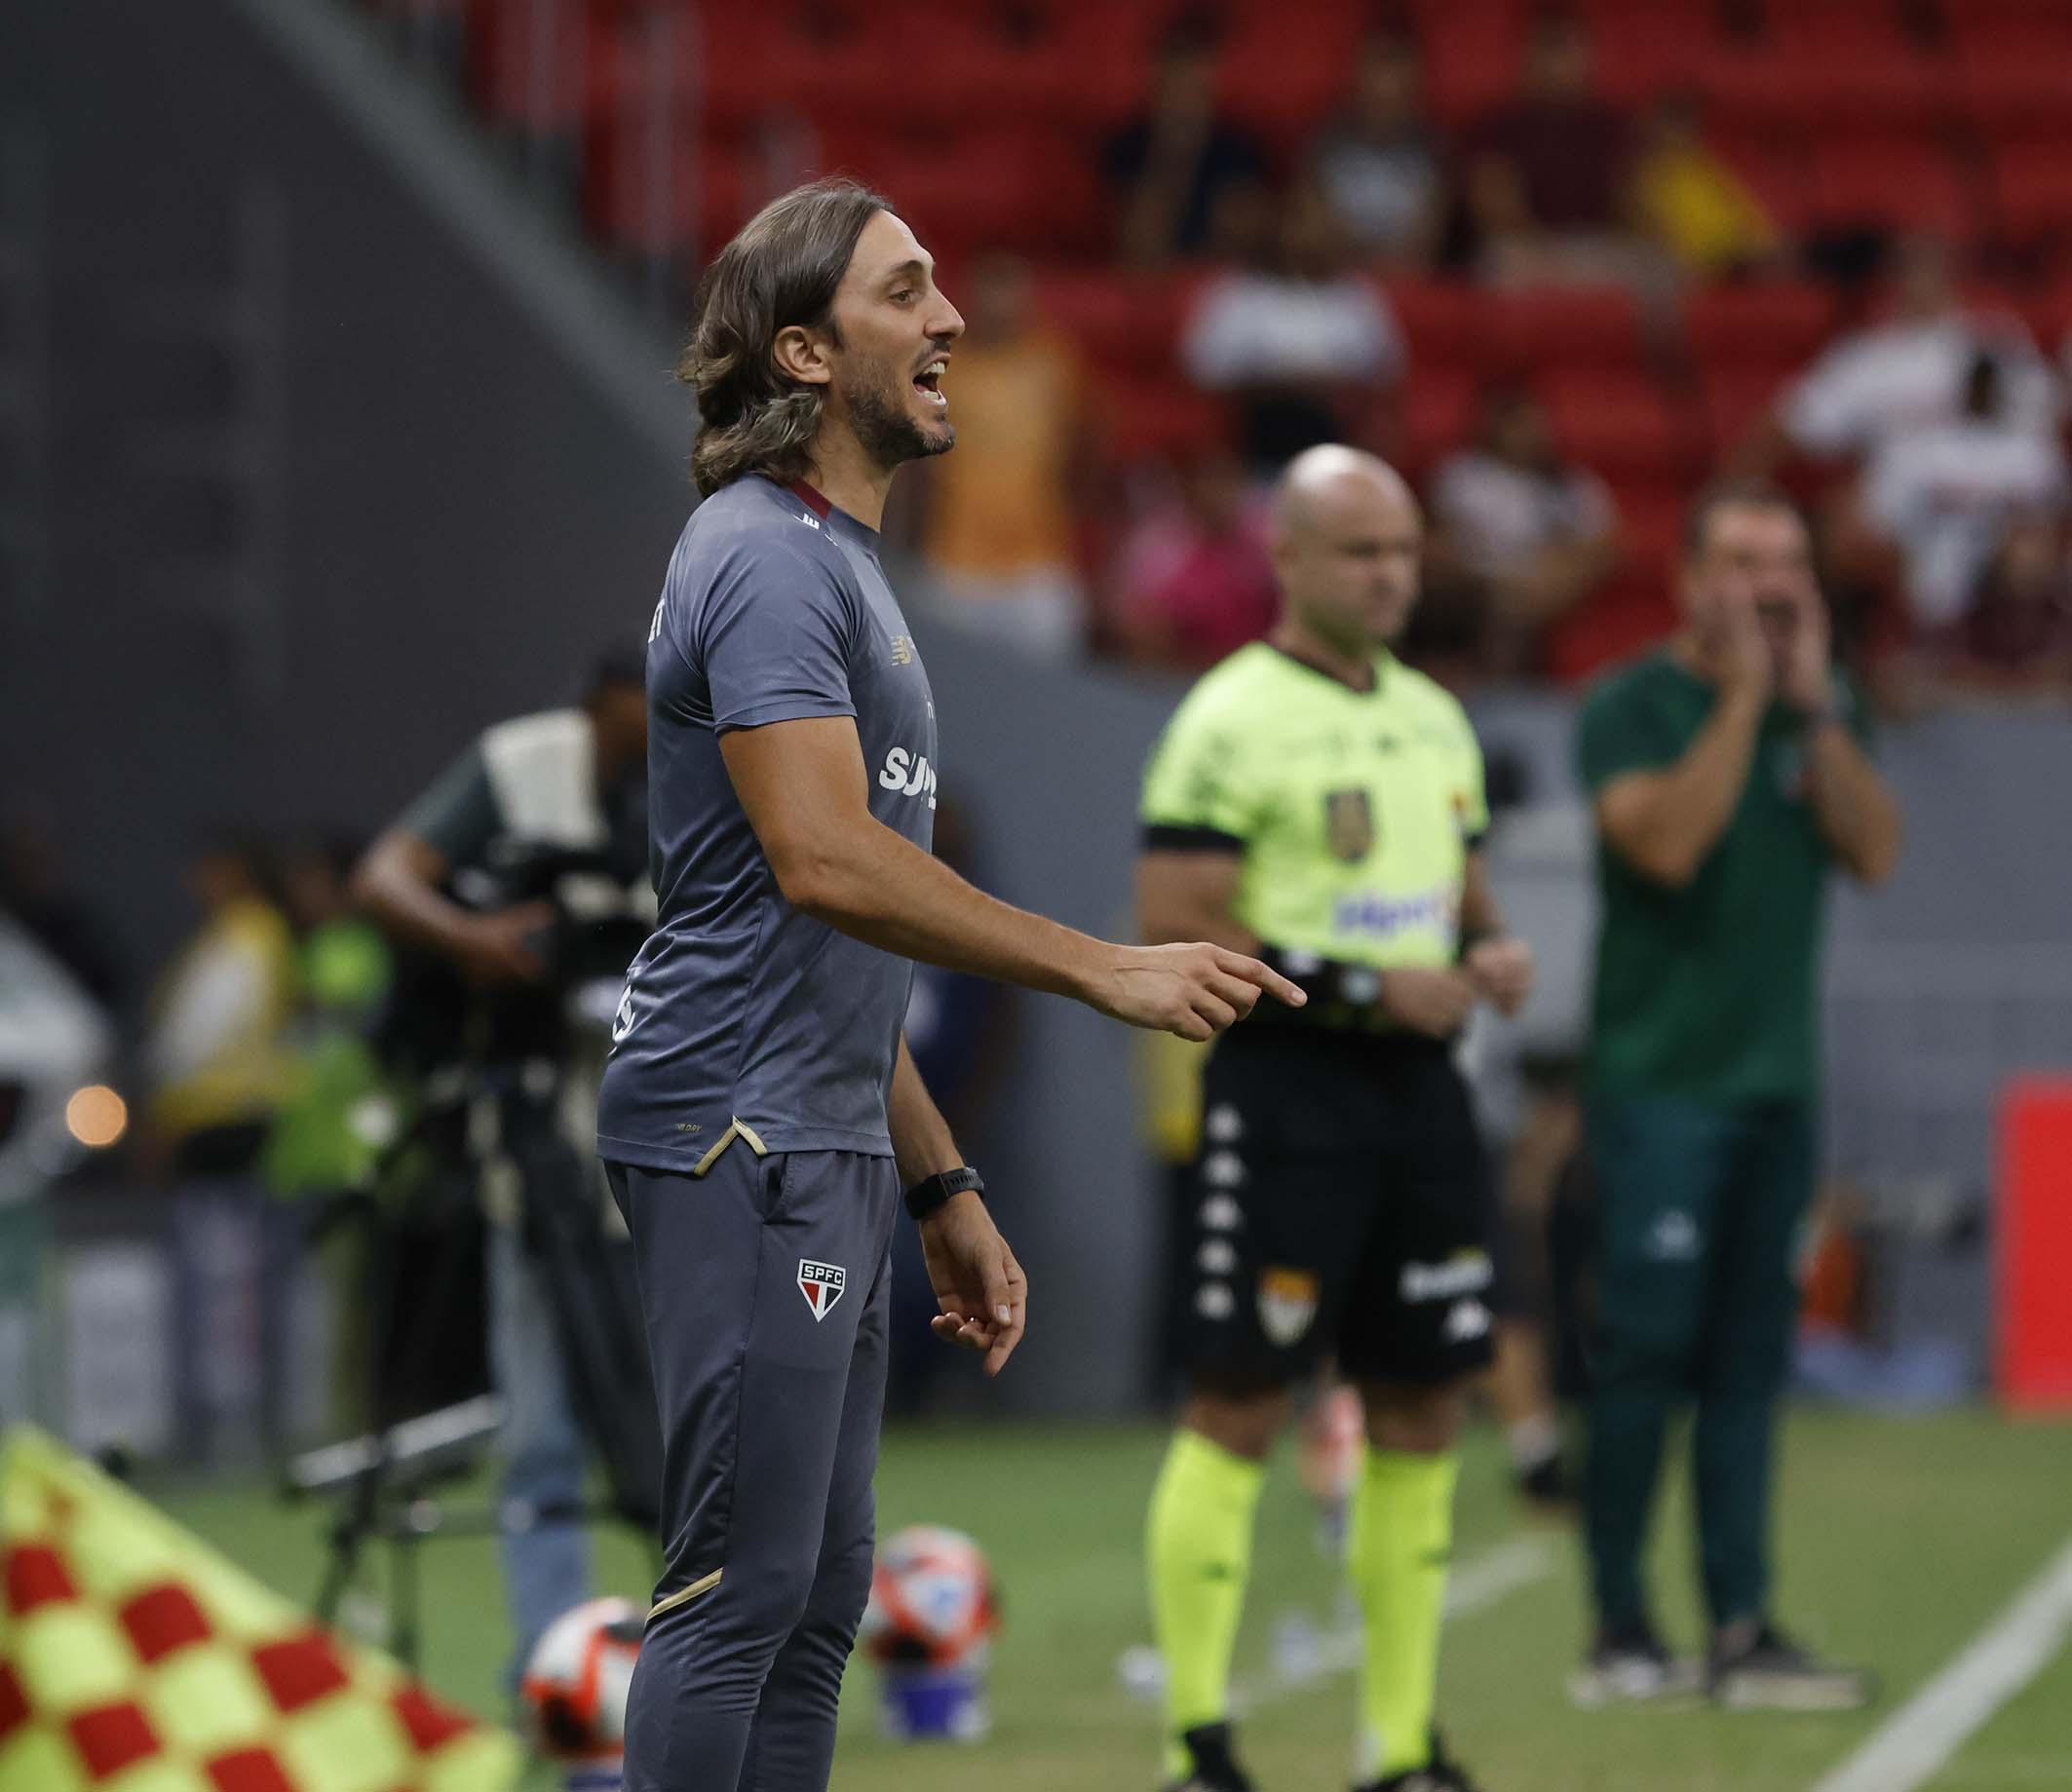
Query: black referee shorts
[[1342, 1202]]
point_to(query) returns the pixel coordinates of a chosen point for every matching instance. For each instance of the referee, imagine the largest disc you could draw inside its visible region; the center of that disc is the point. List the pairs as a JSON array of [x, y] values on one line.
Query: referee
[[1728, 776], [1318, 803], [760, 1114]]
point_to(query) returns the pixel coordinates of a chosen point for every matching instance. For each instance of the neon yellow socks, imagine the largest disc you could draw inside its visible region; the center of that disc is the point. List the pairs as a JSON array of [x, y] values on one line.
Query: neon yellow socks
[[1402, 1538], [1198, 1545]]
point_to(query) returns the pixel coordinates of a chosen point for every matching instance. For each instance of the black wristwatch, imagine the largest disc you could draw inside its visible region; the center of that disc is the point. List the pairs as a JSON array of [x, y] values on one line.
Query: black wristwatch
[[933, 1191]]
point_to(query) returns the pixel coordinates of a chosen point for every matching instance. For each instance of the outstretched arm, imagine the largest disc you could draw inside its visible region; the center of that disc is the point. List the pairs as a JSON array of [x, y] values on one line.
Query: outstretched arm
[[979, 1287], [803, 786]]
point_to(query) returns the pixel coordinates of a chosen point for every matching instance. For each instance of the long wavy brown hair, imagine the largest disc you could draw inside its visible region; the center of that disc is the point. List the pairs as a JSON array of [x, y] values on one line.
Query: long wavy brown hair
[[782, 269]]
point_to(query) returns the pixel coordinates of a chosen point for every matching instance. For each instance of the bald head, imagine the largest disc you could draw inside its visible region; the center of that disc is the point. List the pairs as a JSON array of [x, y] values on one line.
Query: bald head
[[1347, 535], [1322, 483]]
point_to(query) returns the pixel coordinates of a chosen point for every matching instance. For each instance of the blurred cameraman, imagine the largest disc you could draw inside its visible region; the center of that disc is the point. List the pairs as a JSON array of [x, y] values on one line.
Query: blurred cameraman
[[523, 869]]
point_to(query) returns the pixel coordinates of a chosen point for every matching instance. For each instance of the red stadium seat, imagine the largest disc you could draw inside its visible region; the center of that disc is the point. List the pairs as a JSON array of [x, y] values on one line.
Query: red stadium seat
[[1281, 77], [2009, 31], [2028, 94], [1438, 415], [1471, 49], [1775, 322], [1773, 162], [1644, 50], [832, 62], [1735, 396], [1442, 322], [1618, 425], [1900, 182], [1125, 321], [1595, 326], [1845, 33], [2032, 190], [1774, 90], [1651, 527], [1142, 419], [1105, 52]]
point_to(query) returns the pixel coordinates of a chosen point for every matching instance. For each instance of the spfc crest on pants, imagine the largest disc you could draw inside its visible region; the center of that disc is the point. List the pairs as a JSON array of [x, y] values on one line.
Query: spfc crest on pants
[[1349, 825], [1287, 1303], [822, 1283]]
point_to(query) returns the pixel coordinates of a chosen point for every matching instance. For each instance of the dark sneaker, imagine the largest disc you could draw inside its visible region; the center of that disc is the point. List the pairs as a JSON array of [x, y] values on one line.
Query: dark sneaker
[[1440, 1773], [1755, 1668], [1214, 1767], [1630, 1666]]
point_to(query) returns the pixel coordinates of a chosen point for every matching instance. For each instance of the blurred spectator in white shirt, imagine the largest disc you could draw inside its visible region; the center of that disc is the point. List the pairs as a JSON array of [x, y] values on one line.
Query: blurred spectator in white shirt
[[1519, 535], [1908, 372], [1303, 345], [1947, 494], [1378, 161]]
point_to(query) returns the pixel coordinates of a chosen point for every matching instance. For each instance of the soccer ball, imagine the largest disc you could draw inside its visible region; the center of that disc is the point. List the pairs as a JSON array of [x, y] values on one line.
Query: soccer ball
[[932, 1602], [575, 1685]]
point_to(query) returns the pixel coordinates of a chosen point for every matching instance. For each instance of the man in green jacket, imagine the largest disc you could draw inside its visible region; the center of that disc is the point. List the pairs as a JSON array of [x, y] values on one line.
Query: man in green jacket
[[1728, 775]]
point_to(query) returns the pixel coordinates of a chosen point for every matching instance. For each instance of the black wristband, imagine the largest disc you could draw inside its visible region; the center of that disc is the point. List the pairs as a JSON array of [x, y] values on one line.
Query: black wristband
[[933, 1191]]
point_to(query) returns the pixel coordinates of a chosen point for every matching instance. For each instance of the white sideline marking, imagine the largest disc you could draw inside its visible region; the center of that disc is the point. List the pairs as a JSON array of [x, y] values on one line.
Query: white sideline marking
[[1485, 1581], [1995, 1666]]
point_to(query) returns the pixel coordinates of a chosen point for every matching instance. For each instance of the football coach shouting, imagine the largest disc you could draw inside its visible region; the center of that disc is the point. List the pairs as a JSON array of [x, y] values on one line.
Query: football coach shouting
[[760, 1117]]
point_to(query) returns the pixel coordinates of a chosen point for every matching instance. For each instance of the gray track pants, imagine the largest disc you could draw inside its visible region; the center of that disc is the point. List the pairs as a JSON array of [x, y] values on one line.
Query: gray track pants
[[765, 1288]]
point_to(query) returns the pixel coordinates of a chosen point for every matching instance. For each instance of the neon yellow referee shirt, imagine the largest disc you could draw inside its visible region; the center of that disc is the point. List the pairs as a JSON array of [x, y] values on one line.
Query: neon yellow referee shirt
[[1354, 811]]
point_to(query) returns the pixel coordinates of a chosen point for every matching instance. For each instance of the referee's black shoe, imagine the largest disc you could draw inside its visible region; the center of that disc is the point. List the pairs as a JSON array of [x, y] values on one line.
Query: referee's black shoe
[[1755, 1668], [1214, 1767], [1440, 1773]]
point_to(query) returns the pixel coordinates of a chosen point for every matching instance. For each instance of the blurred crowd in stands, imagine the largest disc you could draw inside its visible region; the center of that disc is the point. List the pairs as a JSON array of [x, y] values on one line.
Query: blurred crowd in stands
[[1564, 260], [1926, 432]]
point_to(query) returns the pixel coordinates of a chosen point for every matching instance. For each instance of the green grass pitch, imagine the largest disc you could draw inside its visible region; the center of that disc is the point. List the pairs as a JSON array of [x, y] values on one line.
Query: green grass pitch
[[1900, 1539]]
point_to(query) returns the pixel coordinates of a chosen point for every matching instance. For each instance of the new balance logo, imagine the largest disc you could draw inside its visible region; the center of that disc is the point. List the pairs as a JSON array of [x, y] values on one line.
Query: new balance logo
[[902, 650], [822, 1283]]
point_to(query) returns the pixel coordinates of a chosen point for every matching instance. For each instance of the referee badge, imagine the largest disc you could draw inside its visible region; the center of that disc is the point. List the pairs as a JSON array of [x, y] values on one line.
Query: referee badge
[[822, 1283], [1287, 1303], [1348, 824]]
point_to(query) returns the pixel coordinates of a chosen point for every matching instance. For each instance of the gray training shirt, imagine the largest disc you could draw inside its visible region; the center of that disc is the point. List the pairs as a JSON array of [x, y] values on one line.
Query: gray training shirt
[[738, 1007]]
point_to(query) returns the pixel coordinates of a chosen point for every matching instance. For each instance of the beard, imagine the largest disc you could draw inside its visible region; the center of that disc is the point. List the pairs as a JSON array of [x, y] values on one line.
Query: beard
[[884, 425]]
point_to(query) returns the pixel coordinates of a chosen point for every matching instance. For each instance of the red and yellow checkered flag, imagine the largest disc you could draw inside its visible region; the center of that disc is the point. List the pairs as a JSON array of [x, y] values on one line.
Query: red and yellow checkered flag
[[135, 1659]]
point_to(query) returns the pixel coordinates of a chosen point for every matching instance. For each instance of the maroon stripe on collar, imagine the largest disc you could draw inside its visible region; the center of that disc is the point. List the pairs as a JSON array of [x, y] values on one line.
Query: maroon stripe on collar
[[810, 498]]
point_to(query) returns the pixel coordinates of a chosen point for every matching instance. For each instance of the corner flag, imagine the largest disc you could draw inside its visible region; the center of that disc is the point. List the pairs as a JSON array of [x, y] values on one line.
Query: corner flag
[[135, 1659]]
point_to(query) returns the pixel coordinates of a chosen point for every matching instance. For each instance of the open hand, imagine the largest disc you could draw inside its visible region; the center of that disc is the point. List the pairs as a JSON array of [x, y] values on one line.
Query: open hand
[[1741, 651], [980, 1288], [1193, 990], [1501, 969]]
